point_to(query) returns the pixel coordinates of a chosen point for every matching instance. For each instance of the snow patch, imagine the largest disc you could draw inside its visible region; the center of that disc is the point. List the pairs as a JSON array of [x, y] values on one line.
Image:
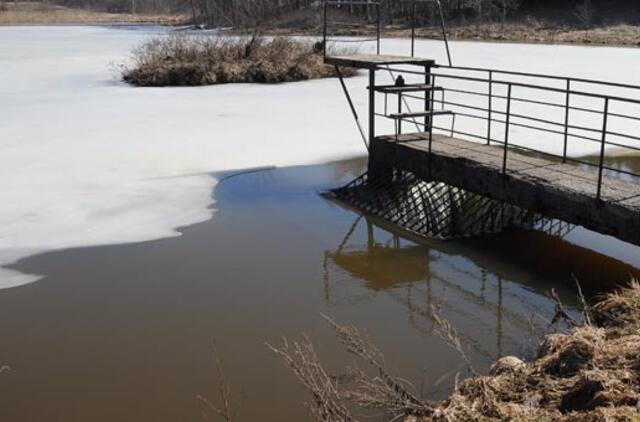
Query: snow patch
[[87, 160]]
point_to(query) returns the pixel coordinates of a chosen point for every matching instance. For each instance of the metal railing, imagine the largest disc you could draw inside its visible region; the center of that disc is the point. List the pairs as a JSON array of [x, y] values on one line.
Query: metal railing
[[327, 37], [565, 108]]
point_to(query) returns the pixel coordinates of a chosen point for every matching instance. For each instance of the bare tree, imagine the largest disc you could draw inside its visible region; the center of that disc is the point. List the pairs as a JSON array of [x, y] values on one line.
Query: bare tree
[[584, 13]]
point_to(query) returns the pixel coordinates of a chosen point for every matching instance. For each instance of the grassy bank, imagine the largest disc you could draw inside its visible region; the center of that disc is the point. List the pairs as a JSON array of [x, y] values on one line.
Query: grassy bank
[[187, 60], [535, 32], [589, 373], [28, 13]]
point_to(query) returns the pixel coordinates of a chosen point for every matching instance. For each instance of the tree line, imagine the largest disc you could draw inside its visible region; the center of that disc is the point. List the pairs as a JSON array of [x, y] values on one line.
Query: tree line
[[246, 13]]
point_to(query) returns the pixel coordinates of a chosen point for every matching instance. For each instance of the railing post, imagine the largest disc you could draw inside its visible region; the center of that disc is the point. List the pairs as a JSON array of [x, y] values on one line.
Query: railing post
[[431, 108], [399, 112], [324, 30], [490, 107], [566, 122], [427, 96], [372, 105], [413, 29], [506, 133], [378, 28], [602, 147]]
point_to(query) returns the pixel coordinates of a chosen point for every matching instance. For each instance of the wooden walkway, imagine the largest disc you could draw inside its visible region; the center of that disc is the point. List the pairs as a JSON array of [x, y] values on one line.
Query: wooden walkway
[[554, 189]]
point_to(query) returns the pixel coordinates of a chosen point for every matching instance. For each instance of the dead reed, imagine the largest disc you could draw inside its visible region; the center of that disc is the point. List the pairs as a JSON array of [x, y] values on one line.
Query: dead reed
[[590, 373], [190, 60]]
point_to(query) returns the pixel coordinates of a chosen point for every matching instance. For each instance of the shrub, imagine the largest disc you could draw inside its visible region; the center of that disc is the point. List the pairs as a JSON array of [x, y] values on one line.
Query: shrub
[[189, 60]]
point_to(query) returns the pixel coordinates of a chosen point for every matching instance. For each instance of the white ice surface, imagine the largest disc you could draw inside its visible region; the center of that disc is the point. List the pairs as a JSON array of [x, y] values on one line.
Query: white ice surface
[[87, 160]]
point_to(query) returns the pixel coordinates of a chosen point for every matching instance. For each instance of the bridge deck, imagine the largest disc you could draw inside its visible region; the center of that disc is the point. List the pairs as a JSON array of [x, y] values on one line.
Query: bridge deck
[[558, 190]]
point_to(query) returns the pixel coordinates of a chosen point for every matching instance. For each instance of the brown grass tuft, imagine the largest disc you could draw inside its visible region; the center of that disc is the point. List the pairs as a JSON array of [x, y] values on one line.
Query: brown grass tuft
[[592, 373], [190, 60]]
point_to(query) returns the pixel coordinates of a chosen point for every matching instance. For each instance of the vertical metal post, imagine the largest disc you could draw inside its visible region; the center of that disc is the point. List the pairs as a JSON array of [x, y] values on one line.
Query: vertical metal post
[[378, 29], [413, 29], [372, 105], [490, 107], [602, 146], [399, 112], [324, 30], [506, 131], [430, 128], [427, 96], [566, 122]]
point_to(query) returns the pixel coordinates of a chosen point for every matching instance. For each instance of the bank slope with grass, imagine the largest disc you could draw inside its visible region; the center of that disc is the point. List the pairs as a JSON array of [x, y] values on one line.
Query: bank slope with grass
[[589, 373]]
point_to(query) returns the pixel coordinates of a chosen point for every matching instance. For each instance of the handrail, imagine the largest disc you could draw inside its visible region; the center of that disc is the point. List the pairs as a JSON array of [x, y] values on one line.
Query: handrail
[[549, 117], [541, 75], [524, 85]]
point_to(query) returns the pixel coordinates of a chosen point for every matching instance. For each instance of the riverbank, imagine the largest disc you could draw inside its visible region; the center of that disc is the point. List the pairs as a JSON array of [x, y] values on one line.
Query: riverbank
[[534, 32], [273, 258], [589, 373], [32, 13]]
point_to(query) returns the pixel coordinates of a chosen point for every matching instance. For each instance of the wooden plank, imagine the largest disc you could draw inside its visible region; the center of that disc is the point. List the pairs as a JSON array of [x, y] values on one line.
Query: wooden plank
[[373, 61]]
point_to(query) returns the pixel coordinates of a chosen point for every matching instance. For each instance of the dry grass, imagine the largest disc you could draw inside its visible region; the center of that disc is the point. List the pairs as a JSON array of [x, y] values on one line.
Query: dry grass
[[533, 31], [591, 373], [190, 60], [23, 13], [224, 408], [379, 390]]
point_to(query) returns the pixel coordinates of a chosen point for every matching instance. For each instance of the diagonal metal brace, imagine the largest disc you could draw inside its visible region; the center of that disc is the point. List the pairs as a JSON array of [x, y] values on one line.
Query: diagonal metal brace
[[353, 108]]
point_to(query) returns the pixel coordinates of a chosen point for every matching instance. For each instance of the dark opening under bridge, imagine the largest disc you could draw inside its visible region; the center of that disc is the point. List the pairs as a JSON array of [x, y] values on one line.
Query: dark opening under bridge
[[470, 150]]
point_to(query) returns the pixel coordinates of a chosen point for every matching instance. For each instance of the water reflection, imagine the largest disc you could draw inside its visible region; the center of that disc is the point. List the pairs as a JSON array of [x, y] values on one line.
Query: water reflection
[[490, 287], [273, 258]]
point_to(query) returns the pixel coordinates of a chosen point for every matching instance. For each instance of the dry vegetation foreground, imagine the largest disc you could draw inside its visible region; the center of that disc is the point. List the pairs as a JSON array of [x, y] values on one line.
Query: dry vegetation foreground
[[590, 373], [189, 60], [25, 13]]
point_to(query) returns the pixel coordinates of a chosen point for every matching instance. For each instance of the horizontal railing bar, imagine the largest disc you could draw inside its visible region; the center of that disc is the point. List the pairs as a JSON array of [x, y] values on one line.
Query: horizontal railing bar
[[519, 84], [549, 122], [499, 142], [542, 76], [520, 116], [557, 105], [539, 120], [352, 40], [548, 154]]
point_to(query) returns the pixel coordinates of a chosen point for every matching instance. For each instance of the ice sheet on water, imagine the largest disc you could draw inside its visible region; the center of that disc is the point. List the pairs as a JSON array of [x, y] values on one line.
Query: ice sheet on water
[[87, 160]]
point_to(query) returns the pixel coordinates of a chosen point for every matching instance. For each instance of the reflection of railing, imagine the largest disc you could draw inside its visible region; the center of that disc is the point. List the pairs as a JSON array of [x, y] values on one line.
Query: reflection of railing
[[463, 89], [460, 292]]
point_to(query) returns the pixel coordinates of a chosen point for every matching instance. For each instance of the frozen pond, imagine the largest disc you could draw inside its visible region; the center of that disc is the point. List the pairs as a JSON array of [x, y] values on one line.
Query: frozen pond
[[87, 160]]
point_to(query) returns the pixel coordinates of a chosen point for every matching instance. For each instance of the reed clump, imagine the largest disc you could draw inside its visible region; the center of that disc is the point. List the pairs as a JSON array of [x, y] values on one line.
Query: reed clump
[[191, 60], [590, 373]]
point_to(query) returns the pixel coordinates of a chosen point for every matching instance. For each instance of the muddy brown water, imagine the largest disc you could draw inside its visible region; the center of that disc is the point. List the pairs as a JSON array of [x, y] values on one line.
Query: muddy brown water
[[126, 332]]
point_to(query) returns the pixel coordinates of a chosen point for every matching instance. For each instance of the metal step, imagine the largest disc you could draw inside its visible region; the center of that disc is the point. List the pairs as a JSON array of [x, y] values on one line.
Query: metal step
[[401, 116], [395, 89]]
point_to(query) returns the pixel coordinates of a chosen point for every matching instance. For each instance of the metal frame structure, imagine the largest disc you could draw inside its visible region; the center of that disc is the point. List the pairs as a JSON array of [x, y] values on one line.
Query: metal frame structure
[[440, 211], [517, 88], [485, 82], [326, 37]]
